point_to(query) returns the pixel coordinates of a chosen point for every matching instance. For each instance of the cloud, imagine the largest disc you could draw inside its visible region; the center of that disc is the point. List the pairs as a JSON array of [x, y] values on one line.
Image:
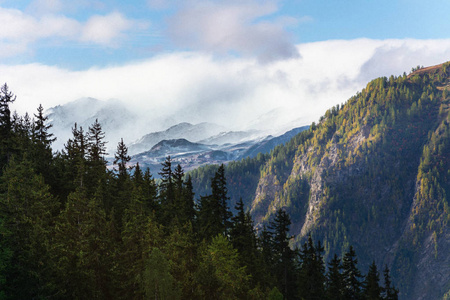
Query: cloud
[[234, 92], [20, 30], [246, 27], [105, 29]]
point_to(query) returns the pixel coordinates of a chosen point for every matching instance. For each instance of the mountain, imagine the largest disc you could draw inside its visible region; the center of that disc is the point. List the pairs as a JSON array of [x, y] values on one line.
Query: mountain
[[116, 119], [187, 131], [271, 142], [193, 155], [232, 137], [373, 173]]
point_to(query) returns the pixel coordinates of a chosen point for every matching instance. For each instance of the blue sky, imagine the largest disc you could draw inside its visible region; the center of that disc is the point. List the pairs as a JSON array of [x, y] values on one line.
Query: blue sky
[[238, 63], [85, 33]]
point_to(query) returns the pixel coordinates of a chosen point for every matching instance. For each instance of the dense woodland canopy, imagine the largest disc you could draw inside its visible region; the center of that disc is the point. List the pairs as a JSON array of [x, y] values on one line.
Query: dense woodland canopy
[[377, 168], [73, 227]]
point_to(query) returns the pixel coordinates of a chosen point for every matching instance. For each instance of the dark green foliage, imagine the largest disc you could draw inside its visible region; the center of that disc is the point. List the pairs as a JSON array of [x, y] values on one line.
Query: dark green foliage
[[213, 213], [388, 292], [312, 271], [6, 127], [372, 289], [351, 276], [72, 229], [335, 280], [284, 262]]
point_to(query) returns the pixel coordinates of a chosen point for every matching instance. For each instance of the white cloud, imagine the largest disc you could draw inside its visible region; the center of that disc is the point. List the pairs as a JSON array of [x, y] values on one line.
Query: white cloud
[[105, 29], [246, 27], [20, 30], [234, 92]]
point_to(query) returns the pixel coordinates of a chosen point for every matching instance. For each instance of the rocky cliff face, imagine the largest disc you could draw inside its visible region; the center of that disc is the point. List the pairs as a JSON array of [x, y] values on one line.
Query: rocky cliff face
[[375, 174]]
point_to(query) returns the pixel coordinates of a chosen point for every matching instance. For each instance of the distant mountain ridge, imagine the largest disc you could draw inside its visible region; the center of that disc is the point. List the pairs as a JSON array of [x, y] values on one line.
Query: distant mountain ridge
[[191, 155], [194, 133], [374, 173], [116, 119]]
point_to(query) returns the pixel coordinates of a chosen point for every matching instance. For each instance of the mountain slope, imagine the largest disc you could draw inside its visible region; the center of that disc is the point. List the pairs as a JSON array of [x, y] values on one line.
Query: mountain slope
[[194, 133], [373, 173]]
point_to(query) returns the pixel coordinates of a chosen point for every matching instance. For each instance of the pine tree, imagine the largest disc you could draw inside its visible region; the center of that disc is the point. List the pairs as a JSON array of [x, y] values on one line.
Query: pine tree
[[84, 250], [75, 154], [167, 192], [27, 211], [96, 143], [388, 292], [219, 274], [123, 186], [243, 239], [188, 203], [312, 271], [149, 190], [157, 282], [334, 282], [6, 133], [352, 276], [220, 195], [284, 264], [42, 139], [121, 158], [372, 289]]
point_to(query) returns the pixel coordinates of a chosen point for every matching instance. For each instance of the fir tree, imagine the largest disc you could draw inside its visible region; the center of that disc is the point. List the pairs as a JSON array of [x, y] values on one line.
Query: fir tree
[[220, 195], [6, 133], [121, 158], [312, 271], [167, 192], [351, 275], [284, 256], [334, 281], [389, 292], [372, 289]]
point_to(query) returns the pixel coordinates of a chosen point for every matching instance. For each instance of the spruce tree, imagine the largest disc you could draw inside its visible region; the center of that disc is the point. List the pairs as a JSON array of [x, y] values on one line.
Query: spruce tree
[[121, 158], [6, 133], [42, 139], [352, 276], [372, 289], [389, 292], [334, 281], [284, 264], [243, 239], [167, 192], [312, 271], [220, 195]]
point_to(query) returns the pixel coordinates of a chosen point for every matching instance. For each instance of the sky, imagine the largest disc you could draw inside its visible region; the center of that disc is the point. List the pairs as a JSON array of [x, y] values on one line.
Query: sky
[[245, 63]]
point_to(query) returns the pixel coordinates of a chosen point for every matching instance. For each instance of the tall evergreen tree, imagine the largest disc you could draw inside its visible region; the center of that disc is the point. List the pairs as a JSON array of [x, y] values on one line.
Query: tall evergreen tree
[[84, 250], [334, 281], [389, 292], [149, 190], [352, 276], [42, 139], [285, 264], [167, 191], [6, 133], [96, 143], [372, 289], [312, 271], [188, 204], [27, 211], [220, 195], [243, 239], [121, 158]]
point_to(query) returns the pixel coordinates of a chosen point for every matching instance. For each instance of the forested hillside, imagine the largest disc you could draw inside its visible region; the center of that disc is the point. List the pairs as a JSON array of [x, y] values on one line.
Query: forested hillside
[[72, 227], [373, 173]]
